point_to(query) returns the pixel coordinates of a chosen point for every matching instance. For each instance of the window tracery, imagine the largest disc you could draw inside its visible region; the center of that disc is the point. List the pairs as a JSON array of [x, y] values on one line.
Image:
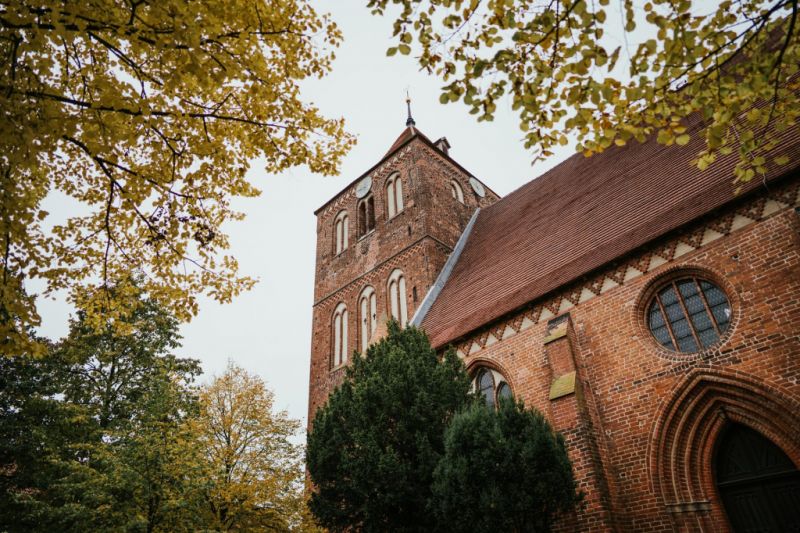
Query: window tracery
[[688, 314], [491, 386]]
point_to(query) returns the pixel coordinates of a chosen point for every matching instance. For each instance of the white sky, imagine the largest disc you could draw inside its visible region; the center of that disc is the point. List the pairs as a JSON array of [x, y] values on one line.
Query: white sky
[[268, 330]]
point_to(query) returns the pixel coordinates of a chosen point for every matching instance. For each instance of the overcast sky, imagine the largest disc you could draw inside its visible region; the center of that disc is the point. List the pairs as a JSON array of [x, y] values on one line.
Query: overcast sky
[[268, 330]]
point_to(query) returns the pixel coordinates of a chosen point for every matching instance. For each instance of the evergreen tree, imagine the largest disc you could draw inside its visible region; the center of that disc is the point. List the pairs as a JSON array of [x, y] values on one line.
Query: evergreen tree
[[374, 446], [503, 470]]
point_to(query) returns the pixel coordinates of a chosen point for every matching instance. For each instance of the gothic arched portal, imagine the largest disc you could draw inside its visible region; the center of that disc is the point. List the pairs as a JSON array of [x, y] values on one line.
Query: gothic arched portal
[[691, 435], [758, 484]]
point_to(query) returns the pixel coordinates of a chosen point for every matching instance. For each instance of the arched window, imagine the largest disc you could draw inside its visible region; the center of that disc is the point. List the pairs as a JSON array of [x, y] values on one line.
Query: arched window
[[394, 195], [456, 191], [368, 315], [341, 232], [339, 355], [366, 215], [492, 386], [484, 384], [397, 297]]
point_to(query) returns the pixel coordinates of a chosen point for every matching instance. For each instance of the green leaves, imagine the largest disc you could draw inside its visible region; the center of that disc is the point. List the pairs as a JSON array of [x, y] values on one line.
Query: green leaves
[[108, 433], [681, 62], [373, 447], [490, 477], [403, 445], [93, 430]]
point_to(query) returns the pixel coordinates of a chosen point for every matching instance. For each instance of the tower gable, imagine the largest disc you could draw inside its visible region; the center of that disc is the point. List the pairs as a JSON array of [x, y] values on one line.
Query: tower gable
[[387, 234]]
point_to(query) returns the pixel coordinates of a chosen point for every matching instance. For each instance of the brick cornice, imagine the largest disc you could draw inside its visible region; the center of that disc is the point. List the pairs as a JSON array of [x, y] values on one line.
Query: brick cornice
[[664, 250], [379, 265]]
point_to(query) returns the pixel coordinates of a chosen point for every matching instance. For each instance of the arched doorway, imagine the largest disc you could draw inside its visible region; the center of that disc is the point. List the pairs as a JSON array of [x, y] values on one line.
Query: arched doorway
[[759, 485]]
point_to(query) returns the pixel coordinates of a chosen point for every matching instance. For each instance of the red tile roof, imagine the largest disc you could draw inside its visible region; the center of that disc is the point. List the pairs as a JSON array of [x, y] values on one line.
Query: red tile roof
[[577, 217], [404, 137]]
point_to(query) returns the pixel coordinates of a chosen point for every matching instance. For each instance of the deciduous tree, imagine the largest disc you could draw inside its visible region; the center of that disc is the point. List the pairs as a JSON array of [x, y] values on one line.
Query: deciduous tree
[[93, 435], [146, 116], [253, 470], [113, 368], [610, 73]]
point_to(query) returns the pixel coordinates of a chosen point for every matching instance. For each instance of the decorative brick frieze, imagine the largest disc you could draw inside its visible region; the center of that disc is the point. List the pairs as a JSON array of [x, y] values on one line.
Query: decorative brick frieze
[[646, 260], [417, 240], [654, 414]]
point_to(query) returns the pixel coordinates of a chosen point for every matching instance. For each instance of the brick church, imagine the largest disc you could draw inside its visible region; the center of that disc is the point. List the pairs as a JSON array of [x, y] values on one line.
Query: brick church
[[650, 311]]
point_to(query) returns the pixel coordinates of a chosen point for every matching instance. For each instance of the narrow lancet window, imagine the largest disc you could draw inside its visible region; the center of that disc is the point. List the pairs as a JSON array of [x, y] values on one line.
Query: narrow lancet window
[[339, 353], [368, 315], [398, 306]]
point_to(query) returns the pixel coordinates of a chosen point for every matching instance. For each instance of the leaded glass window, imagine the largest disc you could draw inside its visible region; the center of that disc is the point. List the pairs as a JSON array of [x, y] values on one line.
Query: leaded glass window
[[492, 386], [486, 387], [503, 391], [688, 314]]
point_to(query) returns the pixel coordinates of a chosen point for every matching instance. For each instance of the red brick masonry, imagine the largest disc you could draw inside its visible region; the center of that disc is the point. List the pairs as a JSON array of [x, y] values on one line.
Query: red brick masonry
[[560, 312]]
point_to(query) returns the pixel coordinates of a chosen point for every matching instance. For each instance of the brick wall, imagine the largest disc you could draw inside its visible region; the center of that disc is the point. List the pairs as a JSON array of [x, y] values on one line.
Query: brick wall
[[417, 240], [642, 421]]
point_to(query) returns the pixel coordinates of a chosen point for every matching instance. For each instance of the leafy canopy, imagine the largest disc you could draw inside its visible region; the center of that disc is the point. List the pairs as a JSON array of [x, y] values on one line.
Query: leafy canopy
[[503, 470], [144, 115], [253, 471], [609, 73], [91, 435], [373, 447], [107, 432]]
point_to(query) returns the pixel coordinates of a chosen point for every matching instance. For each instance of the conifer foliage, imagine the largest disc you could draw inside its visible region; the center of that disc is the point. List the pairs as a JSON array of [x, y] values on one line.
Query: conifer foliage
[[504, 470], [374, 446], [404, 445]]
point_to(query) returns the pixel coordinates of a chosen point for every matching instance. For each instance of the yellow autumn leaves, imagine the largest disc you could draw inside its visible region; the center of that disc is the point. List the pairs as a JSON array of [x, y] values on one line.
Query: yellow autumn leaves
[[254, 471], [146, 116]]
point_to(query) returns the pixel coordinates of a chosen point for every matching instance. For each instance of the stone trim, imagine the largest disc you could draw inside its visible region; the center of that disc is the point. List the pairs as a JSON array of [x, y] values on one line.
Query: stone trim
[[563, 385]]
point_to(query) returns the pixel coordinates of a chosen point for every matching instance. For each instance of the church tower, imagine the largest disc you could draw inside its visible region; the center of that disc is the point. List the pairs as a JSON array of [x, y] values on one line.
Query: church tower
[[381, 243]]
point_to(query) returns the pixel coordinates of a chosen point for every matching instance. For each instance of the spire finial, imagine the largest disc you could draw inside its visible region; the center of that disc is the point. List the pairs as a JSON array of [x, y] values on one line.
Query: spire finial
[[410, 119]]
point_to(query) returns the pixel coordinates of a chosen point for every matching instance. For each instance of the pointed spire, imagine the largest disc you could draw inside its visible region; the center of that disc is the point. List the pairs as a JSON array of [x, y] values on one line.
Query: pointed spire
[[410, 119]]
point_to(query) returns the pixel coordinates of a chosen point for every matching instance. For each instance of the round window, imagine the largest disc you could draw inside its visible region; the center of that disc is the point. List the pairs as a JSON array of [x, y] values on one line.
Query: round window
[[688, 314]]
